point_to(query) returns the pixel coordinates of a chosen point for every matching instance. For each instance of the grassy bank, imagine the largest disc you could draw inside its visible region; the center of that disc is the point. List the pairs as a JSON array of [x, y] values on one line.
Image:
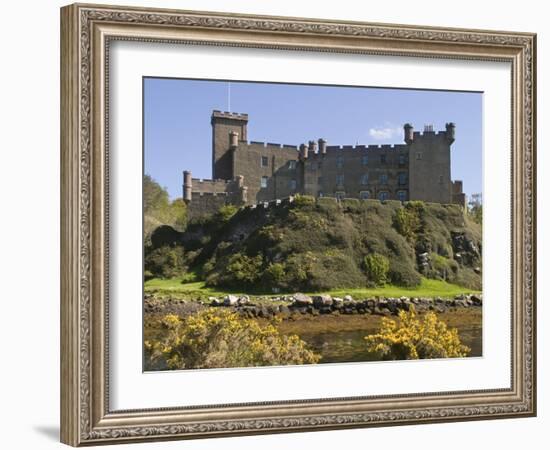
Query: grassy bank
[[174, 287]]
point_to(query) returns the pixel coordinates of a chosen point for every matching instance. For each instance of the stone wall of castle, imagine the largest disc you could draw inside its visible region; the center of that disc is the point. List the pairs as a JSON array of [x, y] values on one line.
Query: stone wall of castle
[[251, 172]]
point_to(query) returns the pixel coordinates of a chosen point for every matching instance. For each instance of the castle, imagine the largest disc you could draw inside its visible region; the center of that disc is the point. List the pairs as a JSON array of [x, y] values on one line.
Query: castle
[[246, 172]]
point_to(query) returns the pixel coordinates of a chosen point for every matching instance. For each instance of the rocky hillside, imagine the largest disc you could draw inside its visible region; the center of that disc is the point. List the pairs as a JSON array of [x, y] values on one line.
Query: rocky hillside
[[314, 245]]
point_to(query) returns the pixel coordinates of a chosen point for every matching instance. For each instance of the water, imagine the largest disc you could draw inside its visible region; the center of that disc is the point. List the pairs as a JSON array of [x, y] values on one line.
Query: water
[[349, 346]]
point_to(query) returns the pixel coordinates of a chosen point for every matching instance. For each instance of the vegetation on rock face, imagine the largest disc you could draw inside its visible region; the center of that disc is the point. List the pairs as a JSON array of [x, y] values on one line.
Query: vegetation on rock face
[[220, 338], [319, 245], [412, 338]]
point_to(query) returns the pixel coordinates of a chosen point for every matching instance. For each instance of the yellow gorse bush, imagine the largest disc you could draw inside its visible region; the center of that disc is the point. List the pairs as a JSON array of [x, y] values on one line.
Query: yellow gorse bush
[[217, 337], [412, 338]]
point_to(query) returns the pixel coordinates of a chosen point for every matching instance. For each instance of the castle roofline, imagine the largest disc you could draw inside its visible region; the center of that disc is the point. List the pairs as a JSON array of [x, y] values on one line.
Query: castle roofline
[[229, 115]]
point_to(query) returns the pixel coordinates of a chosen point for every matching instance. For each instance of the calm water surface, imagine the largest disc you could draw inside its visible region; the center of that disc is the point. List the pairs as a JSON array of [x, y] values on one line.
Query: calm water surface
[[349, 346]]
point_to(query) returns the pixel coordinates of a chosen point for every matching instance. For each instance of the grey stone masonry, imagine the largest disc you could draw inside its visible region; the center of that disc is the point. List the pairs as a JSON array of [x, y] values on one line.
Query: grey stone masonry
[[252, 172]]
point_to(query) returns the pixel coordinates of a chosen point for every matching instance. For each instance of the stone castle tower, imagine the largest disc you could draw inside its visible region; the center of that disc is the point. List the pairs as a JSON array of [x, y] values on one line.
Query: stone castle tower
[[246, 172]]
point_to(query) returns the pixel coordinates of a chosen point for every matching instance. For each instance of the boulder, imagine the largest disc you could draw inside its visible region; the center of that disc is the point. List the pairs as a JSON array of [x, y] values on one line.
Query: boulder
[[230, 300], [348, 298], [322, 300], [244, 300], [302, 300]]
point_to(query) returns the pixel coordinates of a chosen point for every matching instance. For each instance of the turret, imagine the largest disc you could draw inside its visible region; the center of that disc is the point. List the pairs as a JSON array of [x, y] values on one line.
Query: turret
[[409, 132], [450, 128], [233, 140], [303, 151], [187, 186], [322, 146]]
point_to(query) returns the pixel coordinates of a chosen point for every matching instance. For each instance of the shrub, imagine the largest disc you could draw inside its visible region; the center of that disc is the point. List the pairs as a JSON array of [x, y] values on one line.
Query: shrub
[[220, 338], [376, 267], [226, 212], [237, 271], [402, 273], [274, 275], [407, 220], [304, 201], [320, 271], [413, 338], [165, 262]]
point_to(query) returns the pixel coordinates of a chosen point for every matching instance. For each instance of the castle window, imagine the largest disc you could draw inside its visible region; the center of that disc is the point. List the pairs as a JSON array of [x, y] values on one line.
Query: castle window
[[402, 196], [382, 159], [384, 179], [292, 164], [402, 159], [364, 195], [383, 196], [265, 161], [402, 178], [365, 179], [418, 155], [263, 182], [365, 160], [292, 185], [340, 179], [339, 161]]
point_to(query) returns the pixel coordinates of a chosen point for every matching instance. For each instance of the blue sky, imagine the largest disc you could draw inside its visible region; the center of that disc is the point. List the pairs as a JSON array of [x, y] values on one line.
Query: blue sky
[[178, 137]]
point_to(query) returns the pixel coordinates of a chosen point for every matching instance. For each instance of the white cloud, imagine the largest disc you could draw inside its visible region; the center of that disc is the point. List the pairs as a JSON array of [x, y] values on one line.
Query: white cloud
[[385, 133]]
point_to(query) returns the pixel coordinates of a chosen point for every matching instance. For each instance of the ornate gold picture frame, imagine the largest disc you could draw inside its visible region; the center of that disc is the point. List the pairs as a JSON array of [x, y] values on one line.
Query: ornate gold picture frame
[[87, 32]]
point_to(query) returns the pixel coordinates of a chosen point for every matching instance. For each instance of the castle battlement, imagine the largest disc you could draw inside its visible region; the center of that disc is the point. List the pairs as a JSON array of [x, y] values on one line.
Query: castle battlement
[[257, 172], [266, 144], [229, 115]]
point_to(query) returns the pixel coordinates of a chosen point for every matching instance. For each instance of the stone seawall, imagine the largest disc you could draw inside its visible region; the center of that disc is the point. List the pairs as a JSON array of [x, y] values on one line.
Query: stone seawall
[[287, 306]]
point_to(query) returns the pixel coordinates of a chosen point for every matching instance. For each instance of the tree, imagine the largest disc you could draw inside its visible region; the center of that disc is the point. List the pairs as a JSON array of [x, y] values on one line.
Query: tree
[[217, 337], [475, 209], [158, 210], [413, 338]]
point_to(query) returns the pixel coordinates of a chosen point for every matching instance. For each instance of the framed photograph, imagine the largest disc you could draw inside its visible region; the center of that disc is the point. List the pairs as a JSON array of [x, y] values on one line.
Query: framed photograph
[[276, 224]]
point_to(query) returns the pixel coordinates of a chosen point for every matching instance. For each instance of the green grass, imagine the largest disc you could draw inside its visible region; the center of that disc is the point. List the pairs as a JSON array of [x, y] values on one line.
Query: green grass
[[197, 289]]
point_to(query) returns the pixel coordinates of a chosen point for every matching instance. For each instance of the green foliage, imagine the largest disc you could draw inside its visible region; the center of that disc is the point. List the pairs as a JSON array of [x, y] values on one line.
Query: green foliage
[[322, 271], [165, 262], [413, 338], [304, 201], [376, 267], [476, 213], [321, 246], [158, 210], [218, 337], [236, 271], [407, 220], [226, 212], [401, 274], [274, 275]]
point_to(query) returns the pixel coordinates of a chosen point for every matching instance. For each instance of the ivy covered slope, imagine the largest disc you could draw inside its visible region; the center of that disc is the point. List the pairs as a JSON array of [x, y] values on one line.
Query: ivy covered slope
[[317, 245]]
